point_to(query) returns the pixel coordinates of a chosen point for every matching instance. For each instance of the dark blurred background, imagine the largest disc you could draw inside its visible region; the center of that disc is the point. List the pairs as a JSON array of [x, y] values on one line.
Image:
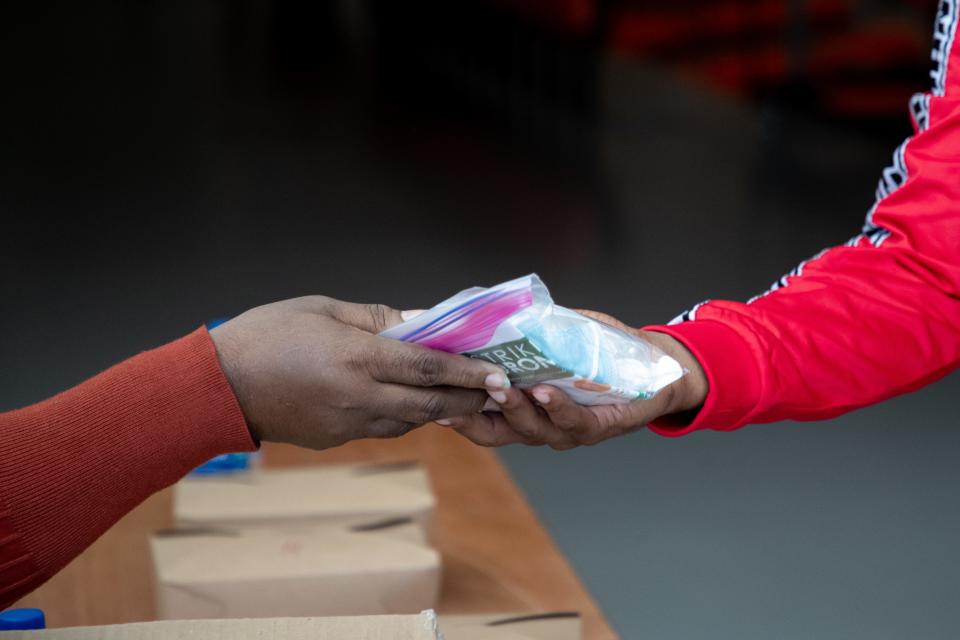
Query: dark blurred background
[[166, 163]]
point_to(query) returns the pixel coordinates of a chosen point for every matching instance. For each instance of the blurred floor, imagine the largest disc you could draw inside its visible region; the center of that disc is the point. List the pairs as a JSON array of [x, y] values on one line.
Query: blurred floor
[[153, 176]]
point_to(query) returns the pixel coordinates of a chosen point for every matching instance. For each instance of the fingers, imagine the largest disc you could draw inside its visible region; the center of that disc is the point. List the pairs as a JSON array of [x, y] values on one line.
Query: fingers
[[419, 405], [590, 425], [577, 422], [528, 421], [411, 364], [558, 421], [486, 430], [398, 362], [386, 428]]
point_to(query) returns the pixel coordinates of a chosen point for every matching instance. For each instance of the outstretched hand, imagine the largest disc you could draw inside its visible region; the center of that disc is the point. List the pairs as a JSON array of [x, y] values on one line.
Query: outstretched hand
[[545, 415]]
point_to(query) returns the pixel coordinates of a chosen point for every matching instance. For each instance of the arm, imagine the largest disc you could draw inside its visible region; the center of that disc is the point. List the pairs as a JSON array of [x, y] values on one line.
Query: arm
[[72, 465], [874, 318], [857, 324], [309, 371]]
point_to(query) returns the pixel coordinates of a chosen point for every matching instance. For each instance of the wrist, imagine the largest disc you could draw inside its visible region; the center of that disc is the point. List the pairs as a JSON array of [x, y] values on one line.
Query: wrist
[[690, 391], [229, 357]]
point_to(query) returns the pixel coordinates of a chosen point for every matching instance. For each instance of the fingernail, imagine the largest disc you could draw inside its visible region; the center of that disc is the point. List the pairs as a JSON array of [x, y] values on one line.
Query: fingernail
[[498, 396], [497, 381], [542, 397], [410, 314], [444, 422]]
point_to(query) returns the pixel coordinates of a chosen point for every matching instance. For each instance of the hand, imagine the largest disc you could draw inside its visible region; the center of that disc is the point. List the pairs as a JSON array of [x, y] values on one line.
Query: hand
[[311, 371], [546, 415]]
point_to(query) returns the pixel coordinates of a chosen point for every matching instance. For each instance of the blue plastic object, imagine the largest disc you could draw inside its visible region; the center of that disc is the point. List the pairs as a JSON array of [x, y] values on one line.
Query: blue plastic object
[[216, 322], [227, 463], [22, 619]]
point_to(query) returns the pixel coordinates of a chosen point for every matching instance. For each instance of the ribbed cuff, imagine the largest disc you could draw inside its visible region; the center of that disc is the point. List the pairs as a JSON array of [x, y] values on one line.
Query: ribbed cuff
[[730, 367], [72, 465], [19, 570]]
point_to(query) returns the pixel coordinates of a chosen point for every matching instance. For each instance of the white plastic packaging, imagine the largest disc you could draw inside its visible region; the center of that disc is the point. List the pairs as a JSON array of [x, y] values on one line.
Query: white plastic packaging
[[517, 325]]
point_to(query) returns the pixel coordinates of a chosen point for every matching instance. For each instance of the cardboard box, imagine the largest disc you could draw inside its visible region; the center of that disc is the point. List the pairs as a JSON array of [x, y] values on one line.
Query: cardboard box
[[294, 571], [517, 626], [342, 494], [413, 627]]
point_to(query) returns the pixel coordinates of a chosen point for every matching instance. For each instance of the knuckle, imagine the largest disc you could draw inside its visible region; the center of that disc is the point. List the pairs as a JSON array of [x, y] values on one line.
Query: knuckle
[[478, 400], [525, 428], [586, 437], [317, 304], [483, 440], [358, 359], [470, 374], [427, 370], [391, 428], [626, 421], [379, 315], [477, 438], [464, 403], [566, 423], [430, 408], [555, 411], [404, 428]]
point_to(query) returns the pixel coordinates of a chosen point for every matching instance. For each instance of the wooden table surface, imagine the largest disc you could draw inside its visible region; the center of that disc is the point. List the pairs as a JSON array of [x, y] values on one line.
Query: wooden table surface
[[497, 557]]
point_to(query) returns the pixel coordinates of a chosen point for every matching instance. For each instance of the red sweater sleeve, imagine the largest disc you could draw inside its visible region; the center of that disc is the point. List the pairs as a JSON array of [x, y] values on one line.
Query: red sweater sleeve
[[856, 324], [72, 465]]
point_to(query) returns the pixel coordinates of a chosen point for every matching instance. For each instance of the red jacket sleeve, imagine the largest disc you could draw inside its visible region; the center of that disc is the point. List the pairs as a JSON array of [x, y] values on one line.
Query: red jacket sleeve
[[859, 323], [72, 465]]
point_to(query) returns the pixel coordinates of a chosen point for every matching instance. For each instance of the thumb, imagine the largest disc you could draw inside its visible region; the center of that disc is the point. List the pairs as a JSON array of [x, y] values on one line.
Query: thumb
[[410, 314], [372, 318]]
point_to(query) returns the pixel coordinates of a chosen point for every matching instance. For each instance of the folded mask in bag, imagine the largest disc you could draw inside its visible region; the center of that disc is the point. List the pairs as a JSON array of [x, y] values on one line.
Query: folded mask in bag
[[516, 325]]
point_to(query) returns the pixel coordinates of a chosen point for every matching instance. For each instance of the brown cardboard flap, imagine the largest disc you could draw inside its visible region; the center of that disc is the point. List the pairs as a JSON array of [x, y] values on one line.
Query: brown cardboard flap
[[343, 493], [295, 570], [411, 627], [513, 626]]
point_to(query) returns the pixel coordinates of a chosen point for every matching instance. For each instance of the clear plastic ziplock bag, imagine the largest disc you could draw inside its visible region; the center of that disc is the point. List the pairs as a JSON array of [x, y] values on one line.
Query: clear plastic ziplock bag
[[516, 325]]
